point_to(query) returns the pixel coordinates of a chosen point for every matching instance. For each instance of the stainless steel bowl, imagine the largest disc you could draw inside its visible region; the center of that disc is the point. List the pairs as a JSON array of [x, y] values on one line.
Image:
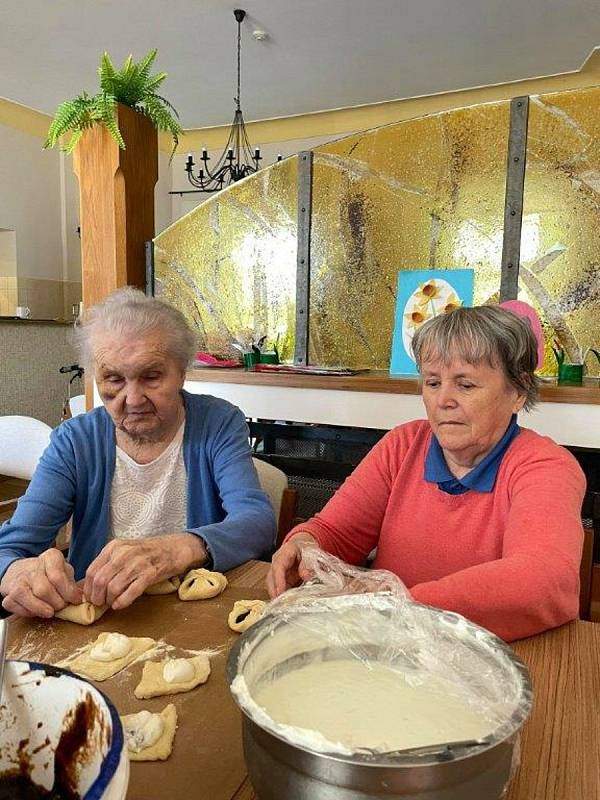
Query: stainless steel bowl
[[281, 769]]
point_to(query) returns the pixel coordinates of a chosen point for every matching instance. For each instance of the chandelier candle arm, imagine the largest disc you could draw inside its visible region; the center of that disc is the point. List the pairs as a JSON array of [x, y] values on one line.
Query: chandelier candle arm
[[236, 161]]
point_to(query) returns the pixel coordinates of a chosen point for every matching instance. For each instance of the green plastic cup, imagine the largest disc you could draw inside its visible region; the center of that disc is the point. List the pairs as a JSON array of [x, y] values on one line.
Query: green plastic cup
[[570, 374]]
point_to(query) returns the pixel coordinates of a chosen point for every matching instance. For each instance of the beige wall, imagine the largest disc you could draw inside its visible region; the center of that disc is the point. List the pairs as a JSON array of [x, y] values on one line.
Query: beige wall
[[39, 202], [31, 354]]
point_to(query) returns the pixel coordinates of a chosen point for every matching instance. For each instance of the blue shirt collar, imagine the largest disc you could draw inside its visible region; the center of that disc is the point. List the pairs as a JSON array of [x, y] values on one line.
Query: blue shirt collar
[[481, 478]]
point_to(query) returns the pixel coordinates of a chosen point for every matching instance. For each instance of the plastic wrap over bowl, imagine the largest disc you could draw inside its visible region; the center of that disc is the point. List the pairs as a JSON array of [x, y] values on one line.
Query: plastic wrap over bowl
[[407, 636]]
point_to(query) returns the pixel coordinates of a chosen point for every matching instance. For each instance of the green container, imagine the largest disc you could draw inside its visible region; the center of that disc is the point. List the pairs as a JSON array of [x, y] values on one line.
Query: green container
[[251, 359], [269, 358], [570, 374]]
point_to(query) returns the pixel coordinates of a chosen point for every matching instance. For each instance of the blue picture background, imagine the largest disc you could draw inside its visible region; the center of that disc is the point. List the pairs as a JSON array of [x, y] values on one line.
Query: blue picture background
[[409, 281]]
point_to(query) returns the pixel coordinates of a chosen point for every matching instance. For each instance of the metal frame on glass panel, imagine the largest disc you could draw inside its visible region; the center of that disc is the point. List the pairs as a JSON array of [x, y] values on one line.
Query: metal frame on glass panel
[[513, 198]]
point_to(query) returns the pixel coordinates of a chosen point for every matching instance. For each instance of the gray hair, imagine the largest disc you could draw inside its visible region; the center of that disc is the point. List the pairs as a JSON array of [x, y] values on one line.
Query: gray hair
[[483, 334], [127, 312]]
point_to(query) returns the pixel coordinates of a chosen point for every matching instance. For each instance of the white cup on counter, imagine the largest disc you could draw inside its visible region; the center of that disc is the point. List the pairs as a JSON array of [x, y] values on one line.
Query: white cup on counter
[[24, 312]]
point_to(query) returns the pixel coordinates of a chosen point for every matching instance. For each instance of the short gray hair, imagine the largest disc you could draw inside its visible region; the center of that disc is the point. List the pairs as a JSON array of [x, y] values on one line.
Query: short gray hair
[[483, 334], [127, 312]]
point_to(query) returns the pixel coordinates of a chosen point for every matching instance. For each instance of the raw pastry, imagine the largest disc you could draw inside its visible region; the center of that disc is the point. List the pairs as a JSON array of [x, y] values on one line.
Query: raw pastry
[[200, 584], [83, 614], [149, 736], [98, 667], [184, 674], [244, 614], [164, 587]]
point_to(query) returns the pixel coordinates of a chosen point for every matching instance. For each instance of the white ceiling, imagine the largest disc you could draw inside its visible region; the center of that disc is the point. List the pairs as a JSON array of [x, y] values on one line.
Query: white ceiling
[[321, 54]]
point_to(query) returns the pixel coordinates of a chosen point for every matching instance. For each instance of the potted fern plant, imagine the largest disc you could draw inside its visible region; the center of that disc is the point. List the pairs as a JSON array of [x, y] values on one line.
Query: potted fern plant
[[133, 86], [114, 141]]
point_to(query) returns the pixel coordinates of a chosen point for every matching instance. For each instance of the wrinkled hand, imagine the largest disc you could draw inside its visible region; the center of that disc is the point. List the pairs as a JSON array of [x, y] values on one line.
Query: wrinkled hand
[[286, 568], [37, 587], [125, 568]]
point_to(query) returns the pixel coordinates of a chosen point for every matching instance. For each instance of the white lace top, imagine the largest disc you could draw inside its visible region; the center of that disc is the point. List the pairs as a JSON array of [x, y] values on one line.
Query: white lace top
[[149, 499]]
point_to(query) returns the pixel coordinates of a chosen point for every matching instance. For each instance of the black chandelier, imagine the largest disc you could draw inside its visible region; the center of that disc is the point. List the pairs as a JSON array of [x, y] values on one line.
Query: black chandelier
[[236, 161]]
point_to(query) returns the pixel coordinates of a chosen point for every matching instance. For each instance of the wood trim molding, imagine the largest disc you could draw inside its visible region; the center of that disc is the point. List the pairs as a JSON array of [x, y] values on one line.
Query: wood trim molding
[[380, 382]]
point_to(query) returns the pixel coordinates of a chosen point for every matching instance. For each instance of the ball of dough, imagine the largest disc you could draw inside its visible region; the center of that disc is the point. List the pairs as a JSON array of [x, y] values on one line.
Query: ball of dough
[[244, 614], [114, 646], [201, 584]]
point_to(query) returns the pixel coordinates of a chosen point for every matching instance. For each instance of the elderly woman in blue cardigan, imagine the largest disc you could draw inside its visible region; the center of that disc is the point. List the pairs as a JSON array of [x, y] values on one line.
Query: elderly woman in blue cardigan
[[158, 481]]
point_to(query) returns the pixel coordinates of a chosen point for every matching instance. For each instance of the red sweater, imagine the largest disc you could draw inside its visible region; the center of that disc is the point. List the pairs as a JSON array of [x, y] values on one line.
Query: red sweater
[[506, 559]]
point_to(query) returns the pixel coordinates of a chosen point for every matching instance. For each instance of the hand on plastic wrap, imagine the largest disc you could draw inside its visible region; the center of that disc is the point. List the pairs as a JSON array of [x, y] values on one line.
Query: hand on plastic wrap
[[301, 561], [287, 569]]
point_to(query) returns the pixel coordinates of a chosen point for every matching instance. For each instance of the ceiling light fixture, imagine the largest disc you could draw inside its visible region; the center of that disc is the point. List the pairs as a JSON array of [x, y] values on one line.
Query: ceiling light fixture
[[236, 161]]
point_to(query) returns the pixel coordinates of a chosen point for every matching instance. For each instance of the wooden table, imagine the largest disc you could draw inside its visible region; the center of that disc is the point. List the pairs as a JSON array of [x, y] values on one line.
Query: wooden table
[[560, 757], [207, 762]]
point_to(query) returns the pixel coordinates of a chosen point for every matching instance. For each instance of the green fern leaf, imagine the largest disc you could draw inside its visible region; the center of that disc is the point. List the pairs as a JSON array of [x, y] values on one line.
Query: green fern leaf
[[107, 73], [73, 141], [145, 65], [105, 110], [133, 85]]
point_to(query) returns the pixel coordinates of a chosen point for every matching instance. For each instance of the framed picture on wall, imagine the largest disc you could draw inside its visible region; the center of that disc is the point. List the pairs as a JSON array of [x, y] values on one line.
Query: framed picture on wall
[[422, 295]]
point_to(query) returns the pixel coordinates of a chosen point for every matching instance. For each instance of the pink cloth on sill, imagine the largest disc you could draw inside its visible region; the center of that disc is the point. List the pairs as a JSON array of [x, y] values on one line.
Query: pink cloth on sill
[[507, 559]]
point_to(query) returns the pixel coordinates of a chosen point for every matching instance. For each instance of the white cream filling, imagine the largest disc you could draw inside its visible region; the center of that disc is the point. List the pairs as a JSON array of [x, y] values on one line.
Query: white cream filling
[[178, 670], [114, 646], [367, 705], [142, 730]]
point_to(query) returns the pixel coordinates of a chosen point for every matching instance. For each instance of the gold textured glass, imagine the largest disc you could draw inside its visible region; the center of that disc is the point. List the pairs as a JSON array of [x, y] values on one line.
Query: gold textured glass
[[560, 242], [230, 264], [423, 193]]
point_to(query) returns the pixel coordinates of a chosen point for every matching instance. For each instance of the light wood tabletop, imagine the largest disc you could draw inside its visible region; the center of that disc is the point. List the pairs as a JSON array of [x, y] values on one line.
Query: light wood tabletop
[[560, 746], [560, 749]]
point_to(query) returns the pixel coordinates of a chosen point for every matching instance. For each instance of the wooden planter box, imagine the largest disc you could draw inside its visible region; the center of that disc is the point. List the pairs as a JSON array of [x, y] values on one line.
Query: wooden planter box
[[116, 189]]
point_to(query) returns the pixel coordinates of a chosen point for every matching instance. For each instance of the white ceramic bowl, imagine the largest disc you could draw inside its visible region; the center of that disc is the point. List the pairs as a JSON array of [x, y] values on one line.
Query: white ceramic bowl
[[39, 702]]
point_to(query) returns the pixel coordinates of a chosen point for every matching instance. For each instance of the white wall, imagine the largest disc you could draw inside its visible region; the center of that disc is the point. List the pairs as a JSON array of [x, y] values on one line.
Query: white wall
[[30, 203], [8, 253]]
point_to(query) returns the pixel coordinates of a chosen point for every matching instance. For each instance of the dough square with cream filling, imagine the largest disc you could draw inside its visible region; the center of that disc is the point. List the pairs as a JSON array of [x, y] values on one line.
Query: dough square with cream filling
[[153, 682], [161, 748], [83, 614], [96, 670], [202, 584]]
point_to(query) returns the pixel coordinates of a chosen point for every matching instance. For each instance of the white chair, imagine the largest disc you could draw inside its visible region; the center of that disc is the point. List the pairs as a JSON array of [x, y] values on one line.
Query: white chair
[[77, 405], [274, 483], [22, 442]]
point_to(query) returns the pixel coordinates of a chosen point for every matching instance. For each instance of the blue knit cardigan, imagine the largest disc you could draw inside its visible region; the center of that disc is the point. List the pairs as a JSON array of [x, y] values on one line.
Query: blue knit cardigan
[[225, 505]]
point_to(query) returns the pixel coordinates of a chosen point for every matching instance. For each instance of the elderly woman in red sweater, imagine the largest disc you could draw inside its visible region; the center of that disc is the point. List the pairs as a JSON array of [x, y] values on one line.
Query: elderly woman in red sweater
[[472, 512]]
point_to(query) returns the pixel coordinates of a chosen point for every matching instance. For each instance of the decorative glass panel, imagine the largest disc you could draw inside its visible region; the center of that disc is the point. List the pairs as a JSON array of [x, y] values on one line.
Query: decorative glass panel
[[424, 193], [560, 242], [230, 264]]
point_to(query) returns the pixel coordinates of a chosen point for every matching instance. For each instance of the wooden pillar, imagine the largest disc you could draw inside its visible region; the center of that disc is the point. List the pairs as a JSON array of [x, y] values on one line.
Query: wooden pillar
[[116, 190]]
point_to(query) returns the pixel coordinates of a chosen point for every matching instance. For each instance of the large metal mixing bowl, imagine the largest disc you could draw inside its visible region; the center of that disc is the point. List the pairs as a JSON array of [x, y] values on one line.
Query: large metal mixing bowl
[[280, 769]]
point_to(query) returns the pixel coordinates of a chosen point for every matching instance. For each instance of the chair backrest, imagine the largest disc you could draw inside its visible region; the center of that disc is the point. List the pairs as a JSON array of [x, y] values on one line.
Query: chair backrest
[[22, 442], [273, 481], [77, 405]]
